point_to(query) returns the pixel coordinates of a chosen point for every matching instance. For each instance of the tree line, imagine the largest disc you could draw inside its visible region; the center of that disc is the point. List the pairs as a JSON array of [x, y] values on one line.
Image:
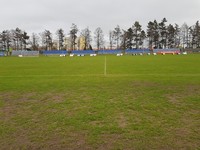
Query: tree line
[[157, 35]]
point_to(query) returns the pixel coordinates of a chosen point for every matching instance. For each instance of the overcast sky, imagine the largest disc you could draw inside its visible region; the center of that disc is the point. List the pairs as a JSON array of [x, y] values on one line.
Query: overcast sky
[[38, 15]]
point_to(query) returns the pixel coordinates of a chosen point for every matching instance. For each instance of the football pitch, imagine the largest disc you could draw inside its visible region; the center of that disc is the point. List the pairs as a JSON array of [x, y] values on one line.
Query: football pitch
[[103, 102]]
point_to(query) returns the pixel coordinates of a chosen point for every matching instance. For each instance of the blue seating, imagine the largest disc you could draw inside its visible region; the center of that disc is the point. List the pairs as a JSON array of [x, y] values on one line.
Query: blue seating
[[109, 51], [25, 53], [54, 52], [82, 52], [136, 51], [171, 50]]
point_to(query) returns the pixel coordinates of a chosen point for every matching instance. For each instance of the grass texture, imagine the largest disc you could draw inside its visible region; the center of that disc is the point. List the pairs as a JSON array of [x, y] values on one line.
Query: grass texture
[[142, 102]]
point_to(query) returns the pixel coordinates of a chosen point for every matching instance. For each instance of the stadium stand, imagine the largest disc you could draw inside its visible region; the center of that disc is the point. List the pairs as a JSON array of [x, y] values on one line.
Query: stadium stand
[[25, 53], [82, 52], [137, 51], [167, 51], [54, 52], [109, 51]]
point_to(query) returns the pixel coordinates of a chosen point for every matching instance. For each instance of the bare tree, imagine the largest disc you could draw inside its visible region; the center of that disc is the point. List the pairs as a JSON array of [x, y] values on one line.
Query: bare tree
[[177, 36], [185, 35], [47, 39], [99, 38], [117, 35], [34, 41], [86, 34], [111, 39]]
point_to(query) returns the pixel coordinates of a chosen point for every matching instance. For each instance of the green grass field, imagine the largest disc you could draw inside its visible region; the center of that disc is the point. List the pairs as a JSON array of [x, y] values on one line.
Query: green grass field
[[143, 102]]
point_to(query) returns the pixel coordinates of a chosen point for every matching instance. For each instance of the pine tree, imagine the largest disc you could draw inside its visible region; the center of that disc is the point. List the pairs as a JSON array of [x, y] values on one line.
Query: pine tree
[[136, 33], [73, 35], [195, 32], [129, 38], [60, 35], [163, 33], [171, 36]]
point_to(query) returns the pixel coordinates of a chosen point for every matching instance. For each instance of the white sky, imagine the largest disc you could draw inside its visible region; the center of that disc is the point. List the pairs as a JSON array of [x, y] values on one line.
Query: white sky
[[38, 15]]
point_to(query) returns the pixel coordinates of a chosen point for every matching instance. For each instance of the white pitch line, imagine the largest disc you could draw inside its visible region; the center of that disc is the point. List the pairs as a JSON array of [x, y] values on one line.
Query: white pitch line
[[26, 76], [105, 66], [100, 75]]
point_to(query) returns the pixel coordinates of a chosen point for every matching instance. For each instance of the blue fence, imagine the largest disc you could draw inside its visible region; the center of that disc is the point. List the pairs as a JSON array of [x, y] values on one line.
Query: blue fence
[[83, 52], [118, 51], [109, 51], [136, 51], [55, 52], [88, 52], [175, 50], [25, 53]]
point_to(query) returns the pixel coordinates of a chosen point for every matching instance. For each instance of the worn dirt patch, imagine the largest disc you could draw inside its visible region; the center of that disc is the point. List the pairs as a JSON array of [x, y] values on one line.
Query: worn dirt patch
[[173, 98], [182, 93], [69, 141], [121, 120], [140, 84], [109, 141]]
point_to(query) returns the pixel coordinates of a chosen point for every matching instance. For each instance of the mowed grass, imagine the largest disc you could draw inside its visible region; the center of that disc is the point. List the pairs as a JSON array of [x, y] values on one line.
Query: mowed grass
[[143, 102]]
